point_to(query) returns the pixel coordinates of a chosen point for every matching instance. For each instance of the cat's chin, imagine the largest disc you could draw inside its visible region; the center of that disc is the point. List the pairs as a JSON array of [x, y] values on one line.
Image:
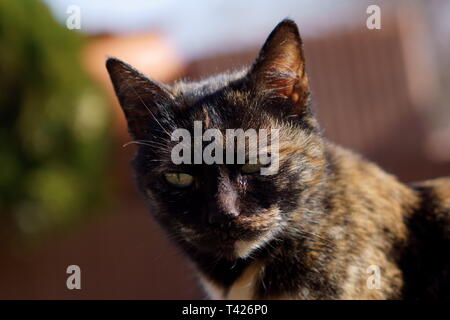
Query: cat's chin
[[239, 249], [218, 250], [230, 249]]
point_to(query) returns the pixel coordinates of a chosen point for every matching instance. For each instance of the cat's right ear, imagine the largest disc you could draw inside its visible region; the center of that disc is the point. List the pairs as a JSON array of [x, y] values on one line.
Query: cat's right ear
[[140, 97], [280, 66]]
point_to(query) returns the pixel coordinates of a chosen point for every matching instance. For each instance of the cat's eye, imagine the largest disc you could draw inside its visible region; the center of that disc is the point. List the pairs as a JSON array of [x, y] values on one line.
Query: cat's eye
[[179, 179], [251, 168]]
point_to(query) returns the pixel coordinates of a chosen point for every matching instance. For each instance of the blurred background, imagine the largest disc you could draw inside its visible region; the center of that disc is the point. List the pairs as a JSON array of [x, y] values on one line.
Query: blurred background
[[66, 192]]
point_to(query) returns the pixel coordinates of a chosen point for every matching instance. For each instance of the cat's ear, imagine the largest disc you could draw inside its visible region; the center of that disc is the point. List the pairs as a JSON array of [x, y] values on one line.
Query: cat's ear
[[280, 66], [140, 97]]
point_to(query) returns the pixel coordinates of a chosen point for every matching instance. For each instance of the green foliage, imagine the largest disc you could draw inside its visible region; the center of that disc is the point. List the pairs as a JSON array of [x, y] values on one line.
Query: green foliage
[[53, 122]]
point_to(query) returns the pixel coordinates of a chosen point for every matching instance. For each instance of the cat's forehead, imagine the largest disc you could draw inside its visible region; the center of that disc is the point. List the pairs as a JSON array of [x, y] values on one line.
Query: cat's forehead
[[222, 102], [193, 90], [228, 109]]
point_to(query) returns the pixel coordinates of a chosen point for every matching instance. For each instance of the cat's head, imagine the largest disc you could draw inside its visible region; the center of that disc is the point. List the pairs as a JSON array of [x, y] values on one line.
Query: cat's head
[[226, 209]]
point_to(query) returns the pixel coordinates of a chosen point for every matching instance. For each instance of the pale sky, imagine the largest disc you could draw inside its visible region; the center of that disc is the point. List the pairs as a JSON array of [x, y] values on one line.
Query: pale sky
[[199, 26]]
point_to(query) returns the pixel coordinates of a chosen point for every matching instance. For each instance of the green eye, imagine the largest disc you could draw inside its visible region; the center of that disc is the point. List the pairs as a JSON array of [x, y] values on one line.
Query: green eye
[[251, 168], [179, 179]]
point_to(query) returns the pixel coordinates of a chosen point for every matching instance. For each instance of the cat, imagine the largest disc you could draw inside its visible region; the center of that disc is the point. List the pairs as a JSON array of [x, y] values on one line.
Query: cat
[[328, 225]]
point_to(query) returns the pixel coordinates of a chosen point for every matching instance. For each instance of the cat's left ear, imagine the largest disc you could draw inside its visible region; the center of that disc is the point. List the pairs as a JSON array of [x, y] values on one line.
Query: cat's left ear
[[140, 97], [280, 66]]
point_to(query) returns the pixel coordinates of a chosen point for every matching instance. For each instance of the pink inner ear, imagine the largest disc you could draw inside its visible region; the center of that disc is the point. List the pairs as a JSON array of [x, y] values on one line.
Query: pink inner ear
[[287, 81], [281, 78], [280, 82], [283, 70]]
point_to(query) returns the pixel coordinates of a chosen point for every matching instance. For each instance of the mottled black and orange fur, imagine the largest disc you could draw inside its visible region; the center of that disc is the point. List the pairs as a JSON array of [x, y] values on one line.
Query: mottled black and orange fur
[[308, 232]]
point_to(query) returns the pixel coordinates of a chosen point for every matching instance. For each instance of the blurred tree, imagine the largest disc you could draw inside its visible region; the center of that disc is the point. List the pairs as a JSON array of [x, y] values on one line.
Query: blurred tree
[[53, 123]]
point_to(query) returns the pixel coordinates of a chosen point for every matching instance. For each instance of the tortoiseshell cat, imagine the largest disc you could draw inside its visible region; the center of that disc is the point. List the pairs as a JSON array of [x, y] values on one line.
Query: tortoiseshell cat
[[314, 230]]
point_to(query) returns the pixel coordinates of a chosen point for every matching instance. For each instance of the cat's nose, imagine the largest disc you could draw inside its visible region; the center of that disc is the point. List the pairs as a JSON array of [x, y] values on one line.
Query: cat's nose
[[223, 207], [219, 217]]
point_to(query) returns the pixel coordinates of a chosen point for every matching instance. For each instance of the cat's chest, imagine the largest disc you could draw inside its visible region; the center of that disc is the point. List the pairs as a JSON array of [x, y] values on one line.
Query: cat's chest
[[254, 282], [243, 288]]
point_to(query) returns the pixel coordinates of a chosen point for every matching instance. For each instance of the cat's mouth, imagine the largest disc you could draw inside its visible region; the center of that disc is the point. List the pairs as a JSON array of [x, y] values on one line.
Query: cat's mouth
[[223, 242], [231, 248], [242, 241], [237, 239]]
